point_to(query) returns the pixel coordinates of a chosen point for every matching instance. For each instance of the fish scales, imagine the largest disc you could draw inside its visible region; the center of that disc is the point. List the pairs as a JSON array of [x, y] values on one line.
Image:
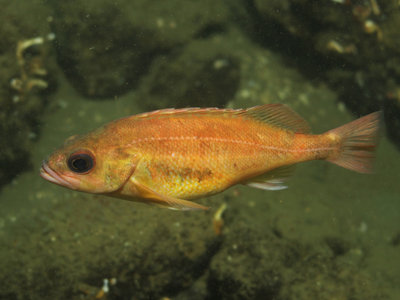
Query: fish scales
[[191, 156]]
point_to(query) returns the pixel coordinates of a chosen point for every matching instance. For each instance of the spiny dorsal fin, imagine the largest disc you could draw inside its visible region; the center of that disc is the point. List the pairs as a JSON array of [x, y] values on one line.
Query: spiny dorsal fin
[[190, 111], [278, 115]]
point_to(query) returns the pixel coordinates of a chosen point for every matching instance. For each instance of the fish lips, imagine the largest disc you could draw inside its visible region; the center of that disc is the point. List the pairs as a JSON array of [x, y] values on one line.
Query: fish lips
[[49, 174]]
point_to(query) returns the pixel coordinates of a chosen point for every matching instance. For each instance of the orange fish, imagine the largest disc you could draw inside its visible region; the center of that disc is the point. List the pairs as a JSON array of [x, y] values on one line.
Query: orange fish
[[168, 157]]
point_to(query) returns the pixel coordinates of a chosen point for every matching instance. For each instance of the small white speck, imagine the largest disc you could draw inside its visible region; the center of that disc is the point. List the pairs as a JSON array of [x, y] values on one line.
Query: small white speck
[[160, 22], [304, 99], [363, 227], [62, 104], [220, 63], [51, 36], [341, 107], [15, 99], [105, 287], [245, 93]]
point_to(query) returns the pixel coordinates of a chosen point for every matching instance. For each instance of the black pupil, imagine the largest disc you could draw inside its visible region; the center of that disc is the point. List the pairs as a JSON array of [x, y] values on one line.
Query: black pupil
[[80, 163]]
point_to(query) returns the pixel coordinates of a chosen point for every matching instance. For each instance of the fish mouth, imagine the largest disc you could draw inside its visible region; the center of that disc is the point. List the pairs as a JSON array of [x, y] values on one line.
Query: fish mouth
[[49, 174]]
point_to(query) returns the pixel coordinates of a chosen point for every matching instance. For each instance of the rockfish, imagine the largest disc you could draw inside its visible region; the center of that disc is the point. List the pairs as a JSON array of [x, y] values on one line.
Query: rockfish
[[171, 156]]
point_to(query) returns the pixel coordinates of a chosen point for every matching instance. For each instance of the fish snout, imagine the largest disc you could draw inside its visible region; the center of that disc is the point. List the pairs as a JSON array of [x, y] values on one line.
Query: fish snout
[[49, 174]]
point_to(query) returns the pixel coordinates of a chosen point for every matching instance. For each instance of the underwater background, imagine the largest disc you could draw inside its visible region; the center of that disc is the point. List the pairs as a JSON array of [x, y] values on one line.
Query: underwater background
[[69, 67]]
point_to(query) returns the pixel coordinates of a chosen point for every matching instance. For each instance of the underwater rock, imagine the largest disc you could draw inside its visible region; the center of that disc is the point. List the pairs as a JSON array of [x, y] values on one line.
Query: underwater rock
[[352, 46], [143, 252], [258, 264], [26, 77], [101, 51], [204, 74], [104, 48], [246, 267]]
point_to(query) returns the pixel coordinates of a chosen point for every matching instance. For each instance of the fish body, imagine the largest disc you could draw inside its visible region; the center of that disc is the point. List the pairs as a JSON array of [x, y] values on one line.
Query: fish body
[[171, 156]]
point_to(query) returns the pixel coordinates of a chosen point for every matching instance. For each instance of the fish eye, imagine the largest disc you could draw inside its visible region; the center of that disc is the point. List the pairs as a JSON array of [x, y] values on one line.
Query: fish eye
[[81, 162]]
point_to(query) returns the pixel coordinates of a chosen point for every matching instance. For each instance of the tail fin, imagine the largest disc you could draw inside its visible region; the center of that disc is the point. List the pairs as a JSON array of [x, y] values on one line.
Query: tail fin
[[358, 142]]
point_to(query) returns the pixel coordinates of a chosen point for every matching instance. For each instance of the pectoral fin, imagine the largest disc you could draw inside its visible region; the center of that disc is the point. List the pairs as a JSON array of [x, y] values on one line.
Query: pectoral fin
[[166, 201]]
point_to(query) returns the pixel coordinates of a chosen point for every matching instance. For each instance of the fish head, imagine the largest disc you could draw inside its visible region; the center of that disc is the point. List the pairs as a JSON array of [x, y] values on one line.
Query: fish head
[[88, 165]]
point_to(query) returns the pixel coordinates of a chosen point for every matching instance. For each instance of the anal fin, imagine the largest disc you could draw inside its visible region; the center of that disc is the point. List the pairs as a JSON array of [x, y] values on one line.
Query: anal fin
[[272, 180]]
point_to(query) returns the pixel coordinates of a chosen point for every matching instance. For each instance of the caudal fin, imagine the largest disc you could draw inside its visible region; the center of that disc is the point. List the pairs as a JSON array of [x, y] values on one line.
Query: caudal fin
[[358, 142]]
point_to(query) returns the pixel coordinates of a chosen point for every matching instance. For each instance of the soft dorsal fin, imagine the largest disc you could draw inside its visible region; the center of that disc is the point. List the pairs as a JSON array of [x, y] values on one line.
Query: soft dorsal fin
[[278, 115]]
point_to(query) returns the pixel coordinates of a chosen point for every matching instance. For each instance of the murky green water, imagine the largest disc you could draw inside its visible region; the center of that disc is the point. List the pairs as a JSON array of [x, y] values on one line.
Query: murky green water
[[333, 234]]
